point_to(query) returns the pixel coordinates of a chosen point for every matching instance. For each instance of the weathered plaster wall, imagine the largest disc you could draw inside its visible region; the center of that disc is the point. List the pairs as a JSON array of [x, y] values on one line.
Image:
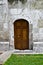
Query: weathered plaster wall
[[4, 36], [32, 11]]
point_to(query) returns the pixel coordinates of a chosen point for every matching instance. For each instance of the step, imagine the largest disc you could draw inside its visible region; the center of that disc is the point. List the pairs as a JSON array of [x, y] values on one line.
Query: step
[[23, 51]]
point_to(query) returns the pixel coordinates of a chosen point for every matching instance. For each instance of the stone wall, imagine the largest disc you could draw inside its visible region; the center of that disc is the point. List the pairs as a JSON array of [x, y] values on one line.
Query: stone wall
[[4, 33], [32, 11], [19, 14]]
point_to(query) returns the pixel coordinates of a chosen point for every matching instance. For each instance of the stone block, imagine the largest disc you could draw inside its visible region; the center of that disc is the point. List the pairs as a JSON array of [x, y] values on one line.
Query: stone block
[[40, 23], [4, 46], [35, 30], [40, 37], [37, 4], [38, 46], [35, 37]]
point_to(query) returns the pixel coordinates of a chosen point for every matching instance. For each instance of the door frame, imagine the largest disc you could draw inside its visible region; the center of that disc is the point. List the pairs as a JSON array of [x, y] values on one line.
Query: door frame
[[28, 30]]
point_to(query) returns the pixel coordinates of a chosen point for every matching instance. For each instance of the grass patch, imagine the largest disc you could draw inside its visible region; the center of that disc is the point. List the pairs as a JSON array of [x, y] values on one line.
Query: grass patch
[[35, 59]]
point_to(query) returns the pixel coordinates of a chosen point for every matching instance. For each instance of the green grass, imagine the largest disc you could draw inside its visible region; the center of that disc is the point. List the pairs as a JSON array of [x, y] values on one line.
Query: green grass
[[35, 59]]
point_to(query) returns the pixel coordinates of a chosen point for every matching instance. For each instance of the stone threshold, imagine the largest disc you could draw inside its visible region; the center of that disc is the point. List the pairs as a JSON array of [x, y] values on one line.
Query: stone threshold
[[27, 52], [23, 52]]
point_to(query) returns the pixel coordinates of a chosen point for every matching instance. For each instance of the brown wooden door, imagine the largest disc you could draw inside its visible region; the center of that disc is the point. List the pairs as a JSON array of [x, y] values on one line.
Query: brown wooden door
[[21, 34]]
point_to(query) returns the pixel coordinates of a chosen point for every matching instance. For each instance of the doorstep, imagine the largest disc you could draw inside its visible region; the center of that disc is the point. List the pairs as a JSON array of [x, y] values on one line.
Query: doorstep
[[23, 52]]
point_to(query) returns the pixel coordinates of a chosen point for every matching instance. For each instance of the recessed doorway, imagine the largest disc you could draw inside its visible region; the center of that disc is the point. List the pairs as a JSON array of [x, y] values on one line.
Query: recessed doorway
[[21, 34]]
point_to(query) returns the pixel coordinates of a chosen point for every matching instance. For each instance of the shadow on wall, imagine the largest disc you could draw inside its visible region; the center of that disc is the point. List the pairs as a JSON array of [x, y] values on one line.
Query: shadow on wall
[[16, 1]]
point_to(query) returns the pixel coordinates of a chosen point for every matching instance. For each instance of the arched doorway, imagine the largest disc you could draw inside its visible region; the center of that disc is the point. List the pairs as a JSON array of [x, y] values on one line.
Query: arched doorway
[[21, 34]]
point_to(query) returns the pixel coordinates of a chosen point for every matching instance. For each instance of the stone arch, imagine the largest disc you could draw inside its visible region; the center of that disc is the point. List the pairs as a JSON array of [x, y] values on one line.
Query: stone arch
[[22, 17]]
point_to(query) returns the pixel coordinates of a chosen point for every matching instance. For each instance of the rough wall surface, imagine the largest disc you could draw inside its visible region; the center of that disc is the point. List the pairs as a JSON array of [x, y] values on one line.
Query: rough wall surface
[[32, 11], [4, 20]]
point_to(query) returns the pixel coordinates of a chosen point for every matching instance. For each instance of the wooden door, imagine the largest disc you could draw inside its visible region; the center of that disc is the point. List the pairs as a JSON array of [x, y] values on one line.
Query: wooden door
[[21, 34]]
